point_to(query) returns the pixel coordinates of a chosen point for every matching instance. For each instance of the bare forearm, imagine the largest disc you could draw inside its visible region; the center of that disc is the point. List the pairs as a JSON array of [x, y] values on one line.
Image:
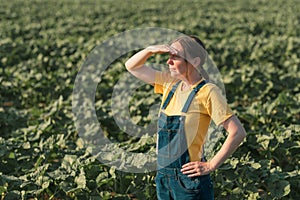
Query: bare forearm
[[138, 59], [230, 145]]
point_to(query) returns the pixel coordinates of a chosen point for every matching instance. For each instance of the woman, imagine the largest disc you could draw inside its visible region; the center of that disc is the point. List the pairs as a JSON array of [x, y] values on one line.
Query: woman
[[189, 102]]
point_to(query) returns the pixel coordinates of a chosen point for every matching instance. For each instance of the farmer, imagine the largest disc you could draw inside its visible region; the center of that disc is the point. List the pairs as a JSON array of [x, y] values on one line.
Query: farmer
[[189, 103]]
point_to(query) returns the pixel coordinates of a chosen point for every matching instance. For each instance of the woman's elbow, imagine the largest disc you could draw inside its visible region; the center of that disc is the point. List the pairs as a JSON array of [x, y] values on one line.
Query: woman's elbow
[[242, 134], [127, 65]]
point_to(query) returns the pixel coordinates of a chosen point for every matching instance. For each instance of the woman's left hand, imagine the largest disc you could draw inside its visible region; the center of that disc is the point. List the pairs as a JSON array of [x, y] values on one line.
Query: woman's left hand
[[197, 168]]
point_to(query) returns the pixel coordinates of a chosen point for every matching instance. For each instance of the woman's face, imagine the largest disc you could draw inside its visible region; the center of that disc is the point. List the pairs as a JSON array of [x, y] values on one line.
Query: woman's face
[[177, 65]]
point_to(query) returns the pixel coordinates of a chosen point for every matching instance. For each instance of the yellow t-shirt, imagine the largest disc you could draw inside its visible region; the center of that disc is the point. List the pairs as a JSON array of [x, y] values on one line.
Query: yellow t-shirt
[[209, 103]]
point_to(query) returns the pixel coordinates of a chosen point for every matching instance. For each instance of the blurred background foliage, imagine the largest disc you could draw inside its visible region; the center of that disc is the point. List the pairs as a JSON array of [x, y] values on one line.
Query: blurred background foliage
[[43, 44]]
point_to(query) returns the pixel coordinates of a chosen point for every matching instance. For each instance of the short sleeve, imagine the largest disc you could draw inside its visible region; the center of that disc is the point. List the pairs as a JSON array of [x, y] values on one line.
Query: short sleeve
[[162, 81], [217, 106]]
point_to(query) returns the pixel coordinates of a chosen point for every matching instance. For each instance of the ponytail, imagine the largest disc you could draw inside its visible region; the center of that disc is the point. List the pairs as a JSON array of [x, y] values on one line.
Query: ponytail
[[203, 58]]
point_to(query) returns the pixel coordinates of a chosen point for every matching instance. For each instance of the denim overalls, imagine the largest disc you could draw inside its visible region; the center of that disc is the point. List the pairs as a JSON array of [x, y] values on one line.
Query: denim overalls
[[173, 153]]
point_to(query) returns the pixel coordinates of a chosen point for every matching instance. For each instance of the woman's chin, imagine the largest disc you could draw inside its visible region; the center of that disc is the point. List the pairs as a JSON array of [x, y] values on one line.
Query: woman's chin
[[174, 74]]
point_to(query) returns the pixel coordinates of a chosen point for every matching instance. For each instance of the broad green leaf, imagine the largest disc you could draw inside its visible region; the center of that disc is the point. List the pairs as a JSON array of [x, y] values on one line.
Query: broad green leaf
[[255, 165], [280, 189], [80, 180]]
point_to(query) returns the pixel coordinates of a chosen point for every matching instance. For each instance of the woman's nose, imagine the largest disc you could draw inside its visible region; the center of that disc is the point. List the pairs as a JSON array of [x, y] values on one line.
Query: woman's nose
[[169, 61]]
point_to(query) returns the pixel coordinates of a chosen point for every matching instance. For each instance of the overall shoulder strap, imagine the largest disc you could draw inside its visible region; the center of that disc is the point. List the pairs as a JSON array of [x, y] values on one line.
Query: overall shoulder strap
[[192, 95], [170, 95]]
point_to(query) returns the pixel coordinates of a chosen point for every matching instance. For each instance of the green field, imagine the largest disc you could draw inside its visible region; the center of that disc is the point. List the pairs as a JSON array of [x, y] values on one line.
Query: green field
[[43, 44]]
